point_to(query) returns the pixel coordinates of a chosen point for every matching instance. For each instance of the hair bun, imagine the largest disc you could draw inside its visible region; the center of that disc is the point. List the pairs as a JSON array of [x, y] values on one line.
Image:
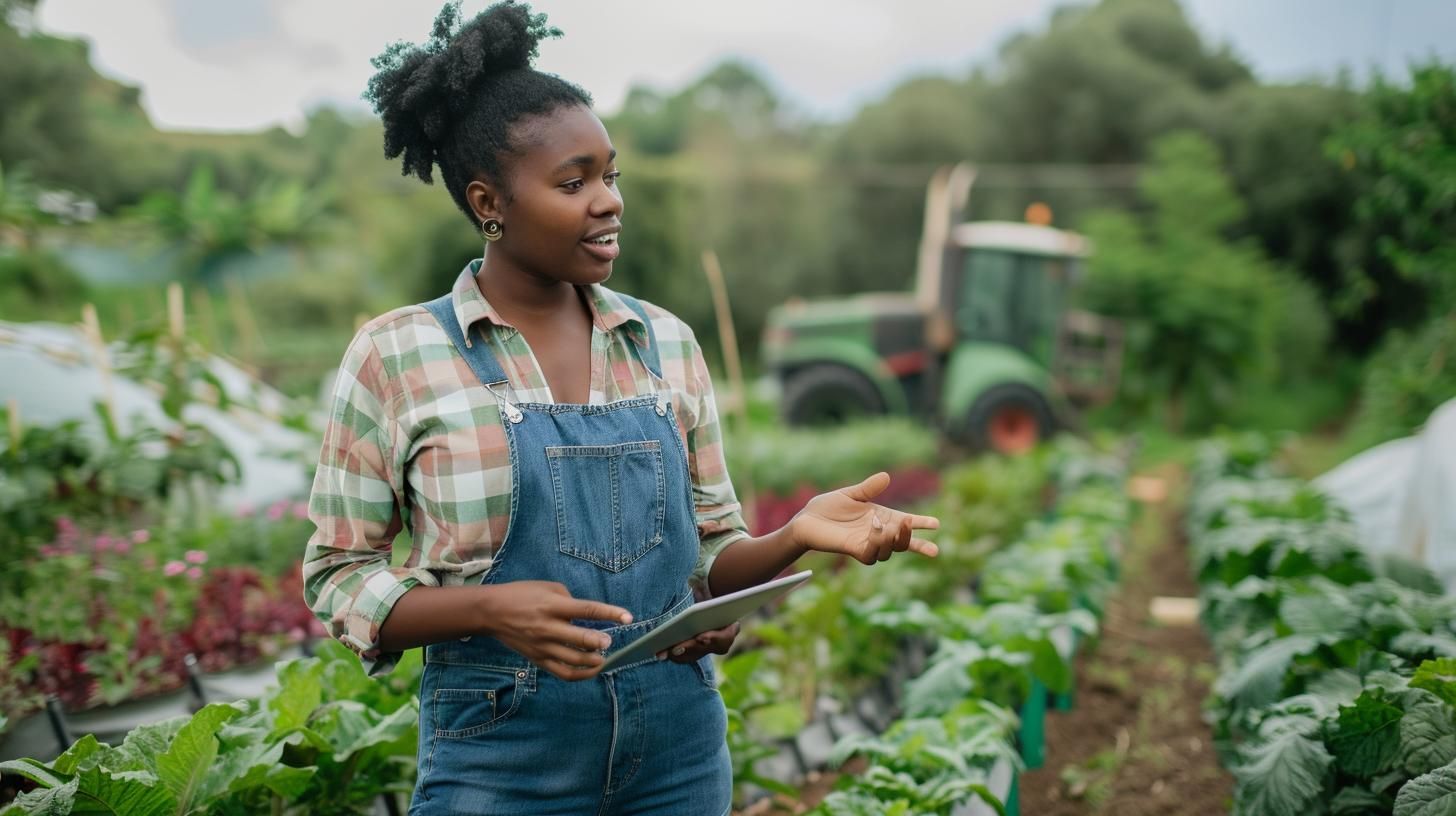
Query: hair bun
[[421, 90]]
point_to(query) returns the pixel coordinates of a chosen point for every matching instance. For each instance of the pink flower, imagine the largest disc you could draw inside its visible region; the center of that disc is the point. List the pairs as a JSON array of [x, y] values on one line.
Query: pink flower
[[245, 510], [141, 536], [122, 546], [194, 572], [300, 510], [275, 512], [174, 568], [102, 543], [195, 557], [48, 550], [65, 526]]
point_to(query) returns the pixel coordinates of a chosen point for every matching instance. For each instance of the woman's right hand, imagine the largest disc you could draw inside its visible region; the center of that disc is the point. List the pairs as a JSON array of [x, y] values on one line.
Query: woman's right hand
[[535, 619]]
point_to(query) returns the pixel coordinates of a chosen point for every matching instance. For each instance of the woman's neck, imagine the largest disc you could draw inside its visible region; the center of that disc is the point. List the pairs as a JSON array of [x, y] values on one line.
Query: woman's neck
[[520, 296]]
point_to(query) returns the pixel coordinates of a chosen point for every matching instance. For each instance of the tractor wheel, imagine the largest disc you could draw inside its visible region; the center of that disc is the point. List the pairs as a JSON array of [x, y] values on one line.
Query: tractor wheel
[[828, 395], [1009, 419]]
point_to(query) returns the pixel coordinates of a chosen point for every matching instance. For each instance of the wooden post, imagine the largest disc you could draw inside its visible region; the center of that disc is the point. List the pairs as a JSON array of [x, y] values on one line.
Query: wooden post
[[92, 326], [176, 320], [738, 405], [12, 415], [726, 335]]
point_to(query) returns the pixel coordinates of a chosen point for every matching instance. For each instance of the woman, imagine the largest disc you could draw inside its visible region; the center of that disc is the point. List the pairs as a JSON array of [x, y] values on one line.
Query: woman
[[555, 447]]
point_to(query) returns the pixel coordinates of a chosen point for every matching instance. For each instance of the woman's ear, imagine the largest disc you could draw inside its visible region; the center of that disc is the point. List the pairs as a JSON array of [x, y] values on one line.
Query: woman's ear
[[485, 199]]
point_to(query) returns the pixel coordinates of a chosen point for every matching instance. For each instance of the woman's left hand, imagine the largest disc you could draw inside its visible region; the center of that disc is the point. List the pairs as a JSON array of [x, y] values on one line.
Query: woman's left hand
[[716, 641], [847, 521]]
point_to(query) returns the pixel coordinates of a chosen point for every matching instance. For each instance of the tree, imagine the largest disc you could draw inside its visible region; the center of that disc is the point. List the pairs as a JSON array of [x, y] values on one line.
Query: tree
[[1403, 146], [1202, 312]]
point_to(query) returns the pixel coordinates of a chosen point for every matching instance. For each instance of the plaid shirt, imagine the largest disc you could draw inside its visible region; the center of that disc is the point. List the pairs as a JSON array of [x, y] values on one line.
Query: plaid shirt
[[412, 430]]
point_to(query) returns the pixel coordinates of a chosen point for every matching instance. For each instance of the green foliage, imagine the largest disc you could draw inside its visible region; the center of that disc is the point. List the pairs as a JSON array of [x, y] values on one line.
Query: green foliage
[[1404, 143], [1338, 682], [1408, 378], [210, 225], [1203, 313], [926, 765], [780, 460], [327, 740]]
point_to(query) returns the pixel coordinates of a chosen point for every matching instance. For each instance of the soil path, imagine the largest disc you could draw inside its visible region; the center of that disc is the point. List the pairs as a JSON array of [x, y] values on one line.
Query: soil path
[[1135, 743]]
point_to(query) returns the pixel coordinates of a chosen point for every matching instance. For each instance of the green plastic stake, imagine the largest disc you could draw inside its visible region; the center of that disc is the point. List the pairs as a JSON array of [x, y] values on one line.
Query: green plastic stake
[[1033, 726]]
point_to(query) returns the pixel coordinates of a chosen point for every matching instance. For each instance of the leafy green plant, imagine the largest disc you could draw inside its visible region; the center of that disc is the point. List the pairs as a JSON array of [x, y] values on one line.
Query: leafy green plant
[[1337, 682], [928, 764], [328, 740], [1381, 744]]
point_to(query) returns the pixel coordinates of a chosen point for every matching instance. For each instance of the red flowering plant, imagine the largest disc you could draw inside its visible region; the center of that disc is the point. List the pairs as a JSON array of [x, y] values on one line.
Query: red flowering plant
[[103, 617]]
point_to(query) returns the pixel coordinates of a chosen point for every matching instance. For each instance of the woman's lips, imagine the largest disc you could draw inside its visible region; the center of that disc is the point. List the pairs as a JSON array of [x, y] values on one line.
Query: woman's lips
[[603, 252]]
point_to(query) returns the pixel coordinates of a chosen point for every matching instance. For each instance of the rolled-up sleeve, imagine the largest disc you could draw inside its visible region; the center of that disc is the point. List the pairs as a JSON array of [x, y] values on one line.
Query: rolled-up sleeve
[[347, 578], [719, 515]]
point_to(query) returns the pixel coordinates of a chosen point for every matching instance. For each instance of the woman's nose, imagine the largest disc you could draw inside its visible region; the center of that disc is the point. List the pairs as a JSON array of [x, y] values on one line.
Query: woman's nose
[[608, 202]]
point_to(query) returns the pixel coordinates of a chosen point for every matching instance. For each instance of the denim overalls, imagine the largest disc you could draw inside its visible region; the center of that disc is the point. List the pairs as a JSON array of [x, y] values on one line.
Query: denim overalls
[[601, 502]]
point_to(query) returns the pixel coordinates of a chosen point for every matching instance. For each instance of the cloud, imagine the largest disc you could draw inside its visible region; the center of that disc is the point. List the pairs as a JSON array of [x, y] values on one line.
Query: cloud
[[254, 63], [265, 61]]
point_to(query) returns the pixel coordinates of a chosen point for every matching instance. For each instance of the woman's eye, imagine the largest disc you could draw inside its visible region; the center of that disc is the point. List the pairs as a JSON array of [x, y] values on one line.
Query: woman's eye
[[613, 176], [574, 185]]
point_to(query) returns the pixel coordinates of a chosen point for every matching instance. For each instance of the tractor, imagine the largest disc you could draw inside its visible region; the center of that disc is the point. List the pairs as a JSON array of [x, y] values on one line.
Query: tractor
[[987, 348]]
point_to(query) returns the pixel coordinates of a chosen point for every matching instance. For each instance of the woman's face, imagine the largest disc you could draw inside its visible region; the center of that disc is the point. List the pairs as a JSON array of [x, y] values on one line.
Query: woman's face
[[564, 210]]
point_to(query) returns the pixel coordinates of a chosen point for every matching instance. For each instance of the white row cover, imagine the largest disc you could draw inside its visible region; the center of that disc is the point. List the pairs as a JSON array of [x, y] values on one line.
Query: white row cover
[[50, 372], [1403, 495]]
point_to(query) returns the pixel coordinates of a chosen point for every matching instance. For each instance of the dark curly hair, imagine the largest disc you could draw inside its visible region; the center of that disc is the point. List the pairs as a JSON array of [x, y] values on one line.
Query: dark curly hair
[[453, 100]]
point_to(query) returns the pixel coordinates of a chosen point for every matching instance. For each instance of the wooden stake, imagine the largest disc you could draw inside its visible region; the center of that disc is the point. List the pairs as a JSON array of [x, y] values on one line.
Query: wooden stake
[[175, 310], [726, 335], [102, 358], [12, 412], [738, 405]]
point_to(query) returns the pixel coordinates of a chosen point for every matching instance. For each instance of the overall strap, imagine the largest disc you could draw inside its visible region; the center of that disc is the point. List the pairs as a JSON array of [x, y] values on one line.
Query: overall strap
[[477, 355], [650, 356]]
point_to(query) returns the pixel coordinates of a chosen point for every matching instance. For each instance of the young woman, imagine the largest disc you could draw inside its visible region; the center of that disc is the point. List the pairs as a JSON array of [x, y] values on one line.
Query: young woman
[[555, 448]]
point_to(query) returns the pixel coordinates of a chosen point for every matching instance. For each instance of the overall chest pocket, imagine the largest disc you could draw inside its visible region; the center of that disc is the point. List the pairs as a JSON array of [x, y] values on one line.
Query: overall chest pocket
[[609, 500]]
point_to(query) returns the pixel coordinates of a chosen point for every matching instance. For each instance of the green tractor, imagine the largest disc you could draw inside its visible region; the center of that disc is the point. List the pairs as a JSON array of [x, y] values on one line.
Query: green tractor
[[986, 348]]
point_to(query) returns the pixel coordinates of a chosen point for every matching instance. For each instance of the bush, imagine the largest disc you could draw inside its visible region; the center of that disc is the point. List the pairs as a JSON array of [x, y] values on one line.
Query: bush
[[1406, 380], [36, 285]]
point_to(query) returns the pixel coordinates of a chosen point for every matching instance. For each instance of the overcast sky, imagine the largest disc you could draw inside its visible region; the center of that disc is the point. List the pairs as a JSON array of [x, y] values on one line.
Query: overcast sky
[[249, 64]]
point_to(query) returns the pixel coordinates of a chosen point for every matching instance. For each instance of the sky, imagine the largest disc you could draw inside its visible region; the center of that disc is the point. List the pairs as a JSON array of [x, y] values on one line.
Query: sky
[[252, 64]]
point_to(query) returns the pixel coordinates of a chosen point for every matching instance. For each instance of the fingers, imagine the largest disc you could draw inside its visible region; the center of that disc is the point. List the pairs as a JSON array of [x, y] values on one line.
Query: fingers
[[715, 641], [568, 671], [685, 652], [923, 522], [923, 547], [565, 655], [577, 637], [596, 610], [869, 488], [892, 538]]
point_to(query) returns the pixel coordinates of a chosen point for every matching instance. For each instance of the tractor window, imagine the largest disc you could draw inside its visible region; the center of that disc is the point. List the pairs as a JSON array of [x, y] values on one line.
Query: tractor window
[[984, 309], [1039, 304]]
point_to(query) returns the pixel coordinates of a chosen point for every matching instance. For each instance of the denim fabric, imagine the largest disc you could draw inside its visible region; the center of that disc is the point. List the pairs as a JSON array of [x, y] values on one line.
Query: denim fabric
[[602, 503]]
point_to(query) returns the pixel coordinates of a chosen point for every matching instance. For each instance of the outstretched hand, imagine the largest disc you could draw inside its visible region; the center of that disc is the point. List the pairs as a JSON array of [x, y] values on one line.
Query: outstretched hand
[[848, 521]]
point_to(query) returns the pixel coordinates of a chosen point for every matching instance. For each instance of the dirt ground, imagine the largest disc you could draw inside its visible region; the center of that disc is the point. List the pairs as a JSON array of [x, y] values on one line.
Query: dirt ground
[[1135, 743]]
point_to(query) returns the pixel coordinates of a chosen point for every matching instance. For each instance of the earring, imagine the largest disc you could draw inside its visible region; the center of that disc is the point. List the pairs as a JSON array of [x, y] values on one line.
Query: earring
[[491, 229]]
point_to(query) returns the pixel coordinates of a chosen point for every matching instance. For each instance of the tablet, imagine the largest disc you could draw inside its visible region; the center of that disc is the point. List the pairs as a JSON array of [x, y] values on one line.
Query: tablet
[[706, 616]]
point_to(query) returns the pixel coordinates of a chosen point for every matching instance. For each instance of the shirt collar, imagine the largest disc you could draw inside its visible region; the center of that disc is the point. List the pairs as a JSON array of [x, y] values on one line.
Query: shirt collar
[[608, 309]]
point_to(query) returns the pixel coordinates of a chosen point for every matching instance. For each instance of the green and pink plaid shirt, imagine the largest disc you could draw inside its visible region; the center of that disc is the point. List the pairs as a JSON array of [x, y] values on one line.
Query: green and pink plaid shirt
[[412, 431]]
